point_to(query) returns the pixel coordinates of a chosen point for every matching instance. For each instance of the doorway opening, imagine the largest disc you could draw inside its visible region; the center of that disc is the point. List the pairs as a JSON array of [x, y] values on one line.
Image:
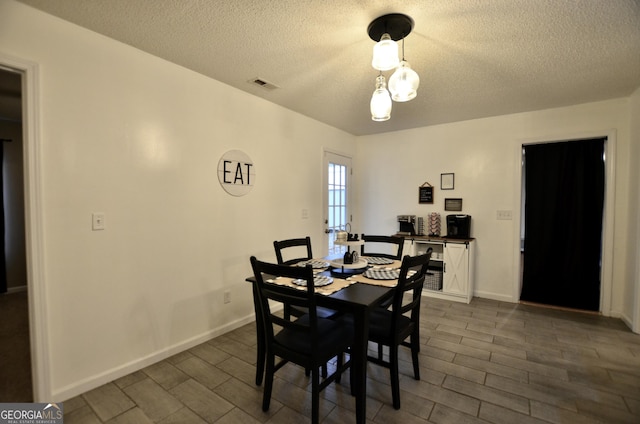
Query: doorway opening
[[15, 346], [562, 230], [336, 194]]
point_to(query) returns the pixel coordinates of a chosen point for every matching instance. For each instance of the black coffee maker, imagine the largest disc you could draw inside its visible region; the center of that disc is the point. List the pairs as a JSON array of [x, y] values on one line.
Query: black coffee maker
[[459, 226]]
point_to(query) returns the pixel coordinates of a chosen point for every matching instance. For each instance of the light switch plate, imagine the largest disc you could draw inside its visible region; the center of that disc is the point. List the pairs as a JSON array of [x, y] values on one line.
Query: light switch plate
[[97, 221]]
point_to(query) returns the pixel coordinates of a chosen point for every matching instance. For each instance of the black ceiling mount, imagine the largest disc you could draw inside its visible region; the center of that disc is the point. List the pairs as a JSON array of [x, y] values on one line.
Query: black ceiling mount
[[396, 25]]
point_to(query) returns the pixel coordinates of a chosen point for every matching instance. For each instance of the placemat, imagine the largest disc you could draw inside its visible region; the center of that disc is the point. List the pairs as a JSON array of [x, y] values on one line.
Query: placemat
[[382, 274], [360, 278], [393, 265], [318, 281], [376, 260], [337, 285], [315, 263]]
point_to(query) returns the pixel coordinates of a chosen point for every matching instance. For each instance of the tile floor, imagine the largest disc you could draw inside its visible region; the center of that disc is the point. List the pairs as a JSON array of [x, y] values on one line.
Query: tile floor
[[487, 362]]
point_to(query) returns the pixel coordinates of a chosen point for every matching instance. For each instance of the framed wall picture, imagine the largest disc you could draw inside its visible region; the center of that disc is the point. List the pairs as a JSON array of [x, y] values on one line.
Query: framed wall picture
[[425, 193], [454, 205], [447, 181]]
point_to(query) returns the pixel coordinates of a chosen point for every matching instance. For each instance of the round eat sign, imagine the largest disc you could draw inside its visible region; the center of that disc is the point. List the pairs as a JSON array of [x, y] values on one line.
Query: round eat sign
[[236, 173]]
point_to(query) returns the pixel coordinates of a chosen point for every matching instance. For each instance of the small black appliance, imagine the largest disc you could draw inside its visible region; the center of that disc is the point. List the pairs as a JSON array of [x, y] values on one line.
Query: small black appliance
[[459, 226], [407, 225]]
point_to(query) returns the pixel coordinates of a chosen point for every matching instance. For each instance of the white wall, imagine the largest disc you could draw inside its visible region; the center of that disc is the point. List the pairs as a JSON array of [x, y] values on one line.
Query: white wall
[[139, 139], [484, 154], [632, 293]]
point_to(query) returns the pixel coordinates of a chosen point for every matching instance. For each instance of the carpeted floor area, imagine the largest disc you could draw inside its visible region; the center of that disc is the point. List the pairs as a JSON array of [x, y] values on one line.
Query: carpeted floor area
[[15, 355]]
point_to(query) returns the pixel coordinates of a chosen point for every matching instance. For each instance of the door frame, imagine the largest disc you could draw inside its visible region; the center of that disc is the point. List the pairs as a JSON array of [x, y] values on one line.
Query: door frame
[[606, 269], [325, 200], [34, 240]]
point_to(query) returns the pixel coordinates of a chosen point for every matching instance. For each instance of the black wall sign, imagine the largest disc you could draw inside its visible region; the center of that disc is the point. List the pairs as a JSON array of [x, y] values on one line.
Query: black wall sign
[[425, 193]]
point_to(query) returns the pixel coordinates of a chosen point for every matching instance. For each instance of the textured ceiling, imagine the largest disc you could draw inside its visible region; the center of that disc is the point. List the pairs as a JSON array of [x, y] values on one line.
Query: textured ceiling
[[475, 58]]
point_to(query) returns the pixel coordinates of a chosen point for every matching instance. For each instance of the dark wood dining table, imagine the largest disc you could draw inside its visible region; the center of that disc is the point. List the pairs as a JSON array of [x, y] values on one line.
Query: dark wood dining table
[[357, 299]]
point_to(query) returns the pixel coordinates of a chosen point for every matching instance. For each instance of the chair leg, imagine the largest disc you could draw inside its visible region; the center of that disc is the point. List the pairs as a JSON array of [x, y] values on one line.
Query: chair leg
[[315, 396], [352, 378], [259, 368], [268, 382], [339, 363], [307, 371], [415, 348], [261, 345], [395, 377]]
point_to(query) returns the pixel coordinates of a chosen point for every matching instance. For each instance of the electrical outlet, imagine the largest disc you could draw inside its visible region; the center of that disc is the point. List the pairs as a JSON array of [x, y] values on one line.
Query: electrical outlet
[[504, 215], [227, 297]]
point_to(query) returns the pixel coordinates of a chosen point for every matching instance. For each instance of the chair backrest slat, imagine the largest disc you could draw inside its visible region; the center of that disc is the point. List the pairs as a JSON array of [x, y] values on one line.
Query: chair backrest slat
[[411, 280], [281, 245], [377, 242]]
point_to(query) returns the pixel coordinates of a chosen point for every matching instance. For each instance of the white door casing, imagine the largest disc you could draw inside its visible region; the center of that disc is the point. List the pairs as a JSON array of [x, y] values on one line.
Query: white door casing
[[336, 198]]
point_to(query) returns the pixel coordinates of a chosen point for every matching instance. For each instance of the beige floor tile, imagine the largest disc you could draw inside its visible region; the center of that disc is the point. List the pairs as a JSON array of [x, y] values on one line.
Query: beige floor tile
[[132, 416], [203, 372], [166, 374], [183, 416], [154, 401], [201, 400], [486, 362], [108, 401]]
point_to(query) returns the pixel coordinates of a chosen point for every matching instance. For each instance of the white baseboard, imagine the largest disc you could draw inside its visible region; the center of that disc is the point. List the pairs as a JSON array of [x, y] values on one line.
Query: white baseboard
[[98, 380], [624, 318], [494, 296], [17, 289]]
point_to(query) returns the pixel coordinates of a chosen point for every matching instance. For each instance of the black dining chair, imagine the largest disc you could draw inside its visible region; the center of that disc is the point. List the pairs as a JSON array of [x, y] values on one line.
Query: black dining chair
[[309, 341], [297, 246], [392, 327], [293, 250], [373, 243]]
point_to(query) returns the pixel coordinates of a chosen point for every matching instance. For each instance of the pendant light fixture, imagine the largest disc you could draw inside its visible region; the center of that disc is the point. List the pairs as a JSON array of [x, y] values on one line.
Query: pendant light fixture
[[403, 84], [380, 101], [385, 54]]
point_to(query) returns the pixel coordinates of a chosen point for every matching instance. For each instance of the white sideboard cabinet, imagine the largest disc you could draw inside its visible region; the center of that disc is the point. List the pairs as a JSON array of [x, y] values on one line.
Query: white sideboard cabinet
[[451, 268]]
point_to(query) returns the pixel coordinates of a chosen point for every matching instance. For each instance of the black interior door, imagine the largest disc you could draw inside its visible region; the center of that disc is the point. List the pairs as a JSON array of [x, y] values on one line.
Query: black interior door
[[564, 200]]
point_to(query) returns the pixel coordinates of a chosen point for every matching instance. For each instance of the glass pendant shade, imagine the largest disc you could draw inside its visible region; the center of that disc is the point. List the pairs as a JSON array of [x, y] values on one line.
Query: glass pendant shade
[[385, 54], [404, 83], [380, 101]]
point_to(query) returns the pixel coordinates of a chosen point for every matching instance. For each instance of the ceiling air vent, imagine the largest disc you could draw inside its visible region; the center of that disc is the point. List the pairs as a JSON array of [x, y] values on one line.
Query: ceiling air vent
[[264, 84]]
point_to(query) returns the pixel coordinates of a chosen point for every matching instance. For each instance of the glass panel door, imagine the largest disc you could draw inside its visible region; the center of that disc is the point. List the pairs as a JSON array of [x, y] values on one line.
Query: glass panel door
[[337, 173]]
